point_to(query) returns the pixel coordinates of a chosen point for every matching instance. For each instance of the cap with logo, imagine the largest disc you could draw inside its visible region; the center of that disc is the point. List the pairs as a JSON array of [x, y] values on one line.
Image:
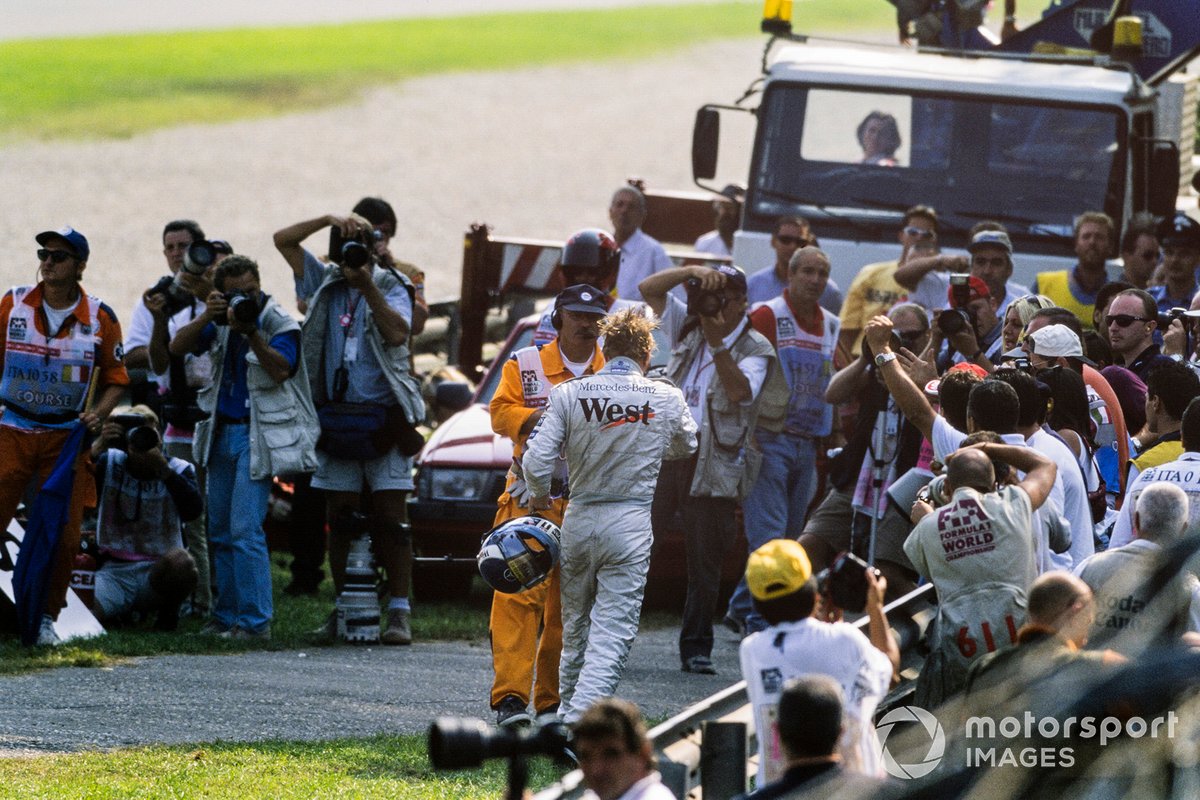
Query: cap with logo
[[581, 297], [990, 239], [74, 239], [736, 277], [976, 289], [1178, 231], [776, 569]]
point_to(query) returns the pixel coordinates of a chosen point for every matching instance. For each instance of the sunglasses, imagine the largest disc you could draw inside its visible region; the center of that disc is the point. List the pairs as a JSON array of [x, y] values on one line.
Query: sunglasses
[[920, 233], [1125, 320], [792, 241], [53, 256]]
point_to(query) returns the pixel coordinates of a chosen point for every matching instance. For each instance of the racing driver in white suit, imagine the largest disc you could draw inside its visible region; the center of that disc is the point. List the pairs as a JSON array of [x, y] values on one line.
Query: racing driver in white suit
[[614, 428]]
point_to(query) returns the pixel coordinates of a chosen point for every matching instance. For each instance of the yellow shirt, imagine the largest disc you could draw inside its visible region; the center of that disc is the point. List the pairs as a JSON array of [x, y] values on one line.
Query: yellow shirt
[[874, 291]]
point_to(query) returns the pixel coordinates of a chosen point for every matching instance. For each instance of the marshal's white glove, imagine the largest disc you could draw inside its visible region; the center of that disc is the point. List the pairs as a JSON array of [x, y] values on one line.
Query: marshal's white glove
[[518, 490]]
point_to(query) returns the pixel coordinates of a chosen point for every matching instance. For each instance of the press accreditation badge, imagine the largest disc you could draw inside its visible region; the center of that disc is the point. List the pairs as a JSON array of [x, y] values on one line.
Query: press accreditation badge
[[350, 354]]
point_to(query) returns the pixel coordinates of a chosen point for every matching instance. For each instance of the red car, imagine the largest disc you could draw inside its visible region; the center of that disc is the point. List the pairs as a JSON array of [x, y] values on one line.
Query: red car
[[460, 475]]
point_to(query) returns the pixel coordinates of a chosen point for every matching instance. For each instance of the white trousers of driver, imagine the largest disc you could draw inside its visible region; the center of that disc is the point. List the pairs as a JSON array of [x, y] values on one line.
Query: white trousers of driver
[[605, 559]]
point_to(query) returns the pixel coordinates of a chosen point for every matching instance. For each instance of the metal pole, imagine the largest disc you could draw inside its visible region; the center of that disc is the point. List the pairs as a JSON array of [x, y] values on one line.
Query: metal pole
[[722, 759]]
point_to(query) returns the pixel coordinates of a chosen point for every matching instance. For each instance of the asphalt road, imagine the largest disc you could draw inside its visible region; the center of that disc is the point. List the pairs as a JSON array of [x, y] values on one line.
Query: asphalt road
[[320, 693]]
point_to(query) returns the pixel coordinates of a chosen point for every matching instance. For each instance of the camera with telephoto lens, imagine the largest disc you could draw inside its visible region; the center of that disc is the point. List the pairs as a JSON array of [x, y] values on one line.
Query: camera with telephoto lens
[[138, 435], [704, 302], [845, 582], [954, 319], [355, 252], [200, 255], [244, 305], [457, 743]]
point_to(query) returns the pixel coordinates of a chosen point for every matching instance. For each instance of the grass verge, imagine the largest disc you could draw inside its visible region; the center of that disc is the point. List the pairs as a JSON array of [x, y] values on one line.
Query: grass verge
[[384, 767], [292, 628], [116, 86]]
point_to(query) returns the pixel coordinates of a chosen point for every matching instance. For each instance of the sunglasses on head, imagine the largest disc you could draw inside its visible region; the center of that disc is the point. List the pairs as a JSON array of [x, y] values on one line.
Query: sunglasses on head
[[920, 233], [792, 241], [1125, 320], [53, 256]]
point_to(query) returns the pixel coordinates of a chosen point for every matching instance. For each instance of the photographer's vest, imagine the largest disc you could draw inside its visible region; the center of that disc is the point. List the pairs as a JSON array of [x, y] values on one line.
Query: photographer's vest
[[807, 362], [393, 360], [535, 386], [728, 459], [283, 421], [1057, 286], [136, 518], [46, 377]]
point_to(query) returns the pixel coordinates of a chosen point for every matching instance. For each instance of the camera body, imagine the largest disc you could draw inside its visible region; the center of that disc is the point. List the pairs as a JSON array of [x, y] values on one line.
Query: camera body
[[1165, 320], [845, 582], [244, 305], [704, 302], [954, 319], [177, 297], [138, 435], [356, 252]]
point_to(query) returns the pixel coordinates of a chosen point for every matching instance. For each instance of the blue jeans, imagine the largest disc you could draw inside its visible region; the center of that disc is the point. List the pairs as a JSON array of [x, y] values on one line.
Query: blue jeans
[[776, 506], [237, 506]]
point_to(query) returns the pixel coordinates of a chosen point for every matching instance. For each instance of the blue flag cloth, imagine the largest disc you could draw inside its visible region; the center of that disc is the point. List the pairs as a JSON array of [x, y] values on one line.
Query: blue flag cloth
[[49, 514]]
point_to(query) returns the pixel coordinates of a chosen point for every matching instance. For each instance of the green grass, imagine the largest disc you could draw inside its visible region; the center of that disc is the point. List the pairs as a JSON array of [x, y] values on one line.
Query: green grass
[[386, 767], [291, 629], [116, 86]]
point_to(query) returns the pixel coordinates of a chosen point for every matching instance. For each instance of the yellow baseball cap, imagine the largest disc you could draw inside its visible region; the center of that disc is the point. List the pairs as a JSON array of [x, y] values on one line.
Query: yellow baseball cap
[[778, 568]]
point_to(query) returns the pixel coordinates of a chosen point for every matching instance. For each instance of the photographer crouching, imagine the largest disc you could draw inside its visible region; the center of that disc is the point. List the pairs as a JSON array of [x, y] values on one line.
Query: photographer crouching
[[144, 500], [261, 423]]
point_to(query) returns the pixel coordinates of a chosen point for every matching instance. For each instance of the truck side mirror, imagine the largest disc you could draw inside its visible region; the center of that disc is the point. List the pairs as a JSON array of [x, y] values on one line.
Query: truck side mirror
[[705, 136], [1164, 178]]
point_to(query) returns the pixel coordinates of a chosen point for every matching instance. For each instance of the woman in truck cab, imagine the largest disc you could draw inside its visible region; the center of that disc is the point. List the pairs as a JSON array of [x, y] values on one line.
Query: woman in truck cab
[[879, 137]]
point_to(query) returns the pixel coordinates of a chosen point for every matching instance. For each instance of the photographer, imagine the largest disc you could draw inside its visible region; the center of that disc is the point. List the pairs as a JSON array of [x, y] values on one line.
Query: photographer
[[722, 365], [171, 304], [970, 327], [978, 551], [261, 423], [356, 350], [806, 636], [144, 499]]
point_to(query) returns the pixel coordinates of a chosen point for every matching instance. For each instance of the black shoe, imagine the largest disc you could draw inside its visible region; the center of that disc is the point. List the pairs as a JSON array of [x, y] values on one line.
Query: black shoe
[[512, 711], [699, 665]]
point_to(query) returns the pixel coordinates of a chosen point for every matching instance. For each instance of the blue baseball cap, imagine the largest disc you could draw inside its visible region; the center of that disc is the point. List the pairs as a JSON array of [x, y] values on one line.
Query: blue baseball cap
[[76, 240]]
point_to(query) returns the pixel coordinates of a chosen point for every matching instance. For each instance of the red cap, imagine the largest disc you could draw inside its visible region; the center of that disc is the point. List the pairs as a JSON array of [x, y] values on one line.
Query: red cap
[[967, 366], [977, 289]]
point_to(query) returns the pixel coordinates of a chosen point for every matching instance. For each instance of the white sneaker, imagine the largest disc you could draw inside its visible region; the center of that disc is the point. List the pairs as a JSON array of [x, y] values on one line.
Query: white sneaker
[[47, 636]]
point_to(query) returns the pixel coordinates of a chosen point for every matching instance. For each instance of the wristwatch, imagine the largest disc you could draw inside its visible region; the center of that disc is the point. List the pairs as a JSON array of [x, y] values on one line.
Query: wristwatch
[[884, 358]]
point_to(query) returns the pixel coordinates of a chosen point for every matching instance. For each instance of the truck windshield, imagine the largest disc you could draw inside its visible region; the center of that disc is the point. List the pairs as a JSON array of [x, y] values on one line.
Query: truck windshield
[[854, 154]]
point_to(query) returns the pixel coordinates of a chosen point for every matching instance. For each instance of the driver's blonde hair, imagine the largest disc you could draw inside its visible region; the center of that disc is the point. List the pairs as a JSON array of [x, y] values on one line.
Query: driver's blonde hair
[[628, 333]]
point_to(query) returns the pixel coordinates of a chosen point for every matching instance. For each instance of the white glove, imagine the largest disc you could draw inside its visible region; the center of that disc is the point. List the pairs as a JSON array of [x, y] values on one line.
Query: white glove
[[518, 490]]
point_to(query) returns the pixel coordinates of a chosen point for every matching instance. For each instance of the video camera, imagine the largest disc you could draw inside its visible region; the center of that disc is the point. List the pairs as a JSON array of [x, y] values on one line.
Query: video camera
[[244, 305], [139, 436], [845, 582], [704, 302], [355, 252], [953, 320]]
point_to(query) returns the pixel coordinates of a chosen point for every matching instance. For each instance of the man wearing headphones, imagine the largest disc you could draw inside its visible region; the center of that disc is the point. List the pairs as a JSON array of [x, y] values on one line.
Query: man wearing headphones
[[516, 407], [589, 257]]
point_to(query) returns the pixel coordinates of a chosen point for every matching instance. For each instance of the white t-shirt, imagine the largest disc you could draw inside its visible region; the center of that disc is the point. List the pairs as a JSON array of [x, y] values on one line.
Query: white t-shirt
[[1184, 472], [793, 649], [1075, 507], [933, 292], [695, 383], [140, 327], [648, 788], [55, 317], [711, 243]]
